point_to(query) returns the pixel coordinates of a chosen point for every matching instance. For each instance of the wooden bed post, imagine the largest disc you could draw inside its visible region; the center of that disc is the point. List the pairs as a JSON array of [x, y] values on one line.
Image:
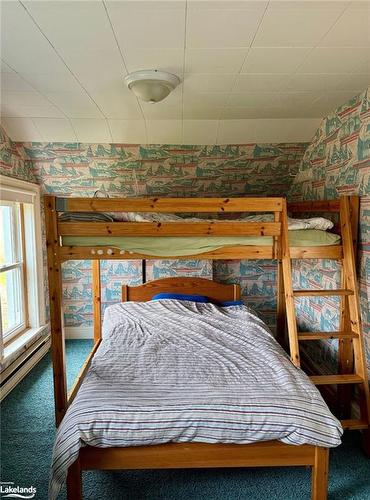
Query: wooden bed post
[[280, 306], [280, 297], [55, 297], [74, 481], [96, 288], [320, 471]]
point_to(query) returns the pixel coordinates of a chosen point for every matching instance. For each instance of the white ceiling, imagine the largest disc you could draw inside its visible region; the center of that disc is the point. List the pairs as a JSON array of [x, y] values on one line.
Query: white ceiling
[[251, 70]]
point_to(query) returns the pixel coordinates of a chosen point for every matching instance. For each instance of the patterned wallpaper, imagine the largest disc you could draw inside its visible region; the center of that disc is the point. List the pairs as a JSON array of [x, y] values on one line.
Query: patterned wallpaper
[[163, 170], [133, 170], [337, 162], [13, 161]]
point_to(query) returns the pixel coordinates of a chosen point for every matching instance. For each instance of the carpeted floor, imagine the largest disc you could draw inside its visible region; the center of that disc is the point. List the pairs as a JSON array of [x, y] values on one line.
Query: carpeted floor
[[27, 425]]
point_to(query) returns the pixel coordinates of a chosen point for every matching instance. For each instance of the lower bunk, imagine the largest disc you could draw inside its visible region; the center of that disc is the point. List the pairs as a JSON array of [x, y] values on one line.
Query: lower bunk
[[202, 455], [191, 382]]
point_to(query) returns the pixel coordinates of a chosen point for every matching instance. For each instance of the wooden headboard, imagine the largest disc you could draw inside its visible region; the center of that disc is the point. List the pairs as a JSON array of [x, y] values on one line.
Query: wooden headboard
[[217, 292]]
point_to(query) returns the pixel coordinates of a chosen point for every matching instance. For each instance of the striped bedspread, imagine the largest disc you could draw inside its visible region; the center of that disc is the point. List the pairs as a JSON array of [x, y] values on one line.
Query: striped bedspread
[[171, 370]]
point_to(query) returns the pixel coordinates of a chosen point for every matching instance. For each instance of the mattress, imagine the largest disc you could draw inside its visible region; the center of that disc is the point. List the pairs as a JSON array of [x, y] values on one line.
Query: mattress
[[165, 246], [180, 371]]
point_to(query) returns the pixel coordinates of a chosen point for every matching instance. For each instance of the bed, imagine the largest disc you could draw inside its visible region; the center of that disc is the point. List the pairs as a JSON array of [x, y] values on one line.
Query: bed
[[98, 233], [207, 375], [271, 452]]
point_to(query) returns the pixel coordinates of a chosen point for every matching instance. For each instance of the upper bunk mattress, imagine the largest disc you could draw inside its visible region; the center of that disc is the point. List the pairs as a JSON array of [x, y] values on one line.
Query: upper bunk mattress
[[177, 371], [165, 246]]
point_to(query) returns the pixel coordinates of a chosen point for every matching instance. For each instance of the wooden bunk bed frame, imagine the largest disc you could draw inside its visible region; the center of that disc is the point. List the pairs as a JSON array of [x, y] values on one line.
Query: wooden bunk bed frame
[[191, 455]]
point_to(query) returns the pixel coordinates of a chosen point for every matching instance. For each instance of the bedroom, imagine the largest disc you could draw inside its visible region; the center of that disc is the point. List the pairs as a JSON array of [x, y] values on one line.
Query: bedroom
[[267, 101]]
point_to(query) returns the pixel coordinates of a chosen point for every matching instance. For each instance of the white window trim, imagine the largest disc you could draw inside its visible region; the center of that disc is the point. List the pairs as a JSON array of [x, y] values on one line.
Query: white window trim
[[13, 184]]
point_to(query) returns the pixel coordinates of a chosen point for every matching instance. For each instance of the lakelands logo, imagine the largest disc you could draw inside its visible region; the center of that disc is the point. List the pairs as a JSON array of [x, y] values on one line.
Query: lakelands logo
[[8, 490]]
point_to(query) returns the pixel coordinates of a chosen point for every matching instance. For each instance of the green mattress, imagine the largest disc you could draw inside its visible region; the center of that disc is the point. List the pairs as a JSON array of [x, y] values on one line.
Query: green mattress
[[165, 246]]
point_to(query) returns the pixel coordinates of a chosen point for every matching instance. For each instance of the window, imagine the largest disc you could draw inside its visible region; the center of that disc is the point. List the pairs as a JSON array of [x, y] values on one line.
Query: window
[[21, 301], [12, 267]]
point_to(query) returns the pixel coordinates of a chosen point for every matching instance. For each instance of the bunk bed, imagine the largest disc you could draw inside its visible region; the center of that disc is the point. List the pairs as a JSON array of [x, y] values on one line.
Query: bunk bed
[[183, 455]]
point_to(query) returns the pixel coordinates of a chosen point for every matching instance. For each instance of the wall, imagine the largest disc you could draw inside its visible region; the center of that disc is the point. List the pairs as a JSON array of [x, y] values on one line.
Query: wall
[[132, 170], [14, 163], [337, 162], [13, 160]]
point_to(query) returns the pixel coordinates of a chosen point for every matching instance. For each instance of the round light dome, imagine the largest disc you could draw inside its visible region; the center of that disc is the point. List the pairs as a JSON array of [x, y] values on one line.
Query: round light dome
[[151, 85]]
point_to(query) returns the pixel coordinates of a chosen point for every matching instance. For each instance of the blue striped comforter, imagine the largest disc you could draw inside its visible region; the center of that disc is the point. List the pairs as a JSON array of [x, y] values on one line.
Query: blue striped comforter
[[171, 370]]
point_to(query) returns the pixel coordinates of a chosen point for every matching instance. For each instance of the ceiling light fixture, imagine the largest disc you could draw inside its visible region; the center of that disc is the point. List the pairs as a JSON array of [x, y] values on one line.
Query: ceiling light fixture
[[151, 85]]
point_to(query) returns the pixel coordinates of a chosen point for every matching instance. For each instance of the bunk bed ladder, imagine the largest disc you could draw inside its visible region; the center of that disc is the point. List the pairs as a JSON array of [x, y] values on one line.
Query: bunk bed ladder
[[354, 373]]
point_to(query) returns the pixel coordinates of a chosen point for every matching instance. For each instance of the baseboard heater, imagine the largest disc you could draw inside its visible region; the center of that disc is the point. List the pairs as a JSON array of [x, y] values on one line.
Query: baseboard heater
[[19, 368]]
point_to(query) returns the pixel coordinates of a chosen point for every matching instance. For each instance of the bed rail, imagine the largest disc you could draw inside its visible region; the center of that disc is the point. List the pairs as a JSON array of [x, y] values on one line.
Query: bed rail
[[216, 228], [163, 205], [225, 253]]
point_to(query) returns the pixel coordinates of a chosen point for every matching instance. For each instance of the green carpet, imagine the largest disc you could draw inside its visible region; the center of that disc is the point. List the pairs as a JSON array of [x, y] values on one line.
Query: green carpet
[[27, 425]]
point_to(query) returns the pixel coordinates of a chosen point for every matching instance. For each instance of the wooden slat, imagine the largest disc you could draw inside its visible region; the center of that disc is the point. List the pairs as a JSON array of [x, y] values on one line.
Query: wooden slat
[[96, 289], [73, 392], [326, 335], [170, 204], [169, 228], [288, 290], [237, 252], [322, 293], [314, 206], [344, 393], [324, 252], [280, 307], [276, 242], [354, 424], [336, 379], [196, 455]]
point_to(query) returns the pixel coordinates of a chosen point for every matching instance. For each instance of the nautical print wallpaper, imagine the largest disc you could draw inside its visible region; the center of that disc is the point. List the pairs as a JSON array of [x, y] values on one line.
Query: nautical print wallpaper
[[337, 162], [166, 170], [13, 161], [163, 170], [155, 269]]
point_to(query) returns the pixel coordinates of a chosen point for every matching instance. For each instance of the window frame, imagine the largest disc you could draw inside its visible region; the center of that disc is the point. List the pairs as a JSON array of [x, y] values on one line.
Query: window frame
[[31, 257]]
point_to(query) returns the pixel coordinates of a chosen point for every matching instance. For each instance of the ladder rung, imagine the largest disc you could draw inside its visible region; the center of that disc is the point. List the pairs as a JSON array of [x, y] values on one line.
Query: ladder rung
[[322, 293], [354, 424], [336, 379], [326, 335]]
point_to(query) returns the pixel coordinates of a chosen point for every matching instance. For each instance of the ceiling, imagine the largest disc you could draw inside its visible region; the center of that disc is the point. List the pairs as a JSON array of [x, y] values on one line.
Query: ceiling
[[250, 70]]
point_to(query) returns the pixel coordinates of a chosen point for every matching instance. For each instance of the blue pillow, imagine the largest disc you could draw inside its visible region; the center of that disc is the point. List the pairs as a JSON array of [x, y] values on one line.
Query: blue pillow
[[230, 303], [181, 296], [195, 298]]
